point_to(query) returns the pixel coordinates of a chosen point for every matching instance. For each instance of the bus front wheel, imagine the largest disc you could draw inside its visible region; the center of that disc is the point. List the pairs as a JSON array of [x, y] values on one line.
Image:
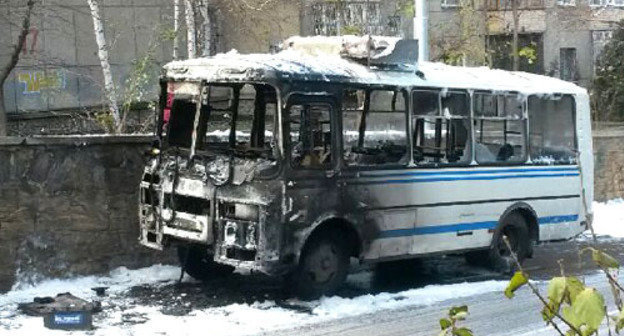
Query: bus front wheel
[[199, 264], [323, 267]]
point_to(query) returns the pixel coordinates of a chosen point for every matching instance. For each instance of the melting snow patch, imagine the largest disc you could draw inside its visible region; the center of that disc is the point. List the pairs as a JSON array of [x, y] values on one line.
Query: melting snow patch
[[235, 319], [609, 218]]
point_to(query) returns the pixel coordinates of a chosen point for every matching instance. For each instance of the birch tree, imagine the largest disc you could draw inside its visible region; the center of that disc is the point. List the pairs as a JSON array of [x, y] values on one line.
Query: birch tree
[[109, 84], [206, 28], [191, 29], [13, 60], [176, 28]]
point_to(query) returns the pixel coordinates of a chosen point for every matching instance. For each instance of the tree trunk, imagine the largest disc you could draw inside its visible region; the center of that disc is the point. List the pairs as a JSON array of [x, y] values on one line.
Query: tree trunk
[[486, 33], [191, 31], [207, 29], [109, 84], [14, 59], [176, 28], [516, 23]]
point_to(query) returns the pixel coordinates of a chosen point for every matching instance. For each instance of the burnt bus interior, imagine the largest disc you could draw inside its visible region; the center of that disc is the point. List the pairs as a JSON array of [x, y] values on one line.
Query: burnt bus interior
[[241, 118], [238, 118]]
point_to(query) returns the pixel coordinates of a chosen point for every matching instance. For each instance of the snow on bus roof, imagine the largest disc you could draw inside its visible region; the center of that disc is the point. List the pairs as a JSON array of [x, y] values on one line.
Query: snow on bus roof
[[292, 64]]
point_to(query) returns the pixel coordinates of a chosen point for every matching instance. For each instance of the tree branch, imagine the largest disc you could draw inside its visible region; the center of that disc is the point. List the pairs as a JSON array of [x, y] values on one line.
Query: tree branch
[[21, 40]]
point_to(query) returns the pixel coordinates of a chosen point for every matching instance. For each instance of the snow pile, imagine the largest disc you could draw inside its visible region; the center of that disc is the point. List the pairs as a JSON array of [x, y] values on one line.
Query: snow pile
[[119, 280], [609, 218], [350, 46], [233, 65], [233, 319]]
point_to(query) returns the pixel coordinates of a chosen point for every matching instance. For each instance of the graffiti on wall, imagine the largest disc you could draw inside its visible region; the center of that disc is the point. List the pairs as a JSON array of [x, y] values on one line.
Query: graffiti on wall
[[36, 81]]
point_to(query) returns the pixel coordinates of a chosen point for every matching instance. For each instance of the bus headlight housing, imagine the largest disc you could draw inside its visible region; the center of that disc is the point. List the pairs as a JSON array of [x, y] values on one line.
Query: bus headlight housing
[[247, 212]]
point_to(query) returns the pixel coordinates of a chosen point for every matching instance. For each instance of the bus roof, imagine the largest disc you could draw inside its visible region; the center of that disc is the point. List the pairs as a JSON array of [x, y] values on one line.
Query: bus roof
[[292, 65]]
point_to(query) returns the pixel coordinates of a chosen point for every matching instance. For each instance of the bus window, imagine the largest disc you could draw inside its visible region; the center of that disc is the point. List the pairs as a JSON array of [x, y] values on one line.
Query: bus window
[[551, 130], [499, 128], [310, 135], [441, 126], [374, 128]]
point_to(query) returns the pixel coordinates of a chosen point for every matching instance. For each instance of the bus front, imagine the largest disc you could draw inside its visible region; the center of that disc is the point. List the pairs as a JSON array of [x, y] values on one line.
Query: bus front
[[211, 187]]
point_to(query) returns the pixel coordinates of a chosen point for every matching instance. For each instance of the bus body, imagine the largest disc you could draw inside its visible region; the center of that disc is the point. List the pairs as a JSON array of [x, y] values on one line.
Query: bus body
[[285, 163]]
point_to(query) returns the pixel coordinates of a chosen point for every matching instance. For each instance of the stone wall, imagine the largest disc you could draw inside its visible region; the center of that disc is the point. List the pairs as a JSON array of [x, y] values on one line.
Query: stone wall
[[609, 160], [68, 206]]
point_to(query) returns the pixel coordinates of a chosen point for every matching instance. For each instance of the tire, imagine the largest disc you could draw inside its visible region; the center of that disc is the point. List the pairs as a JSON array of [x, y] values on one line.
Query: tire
[[323, 267], [199, 264], [515, 228]]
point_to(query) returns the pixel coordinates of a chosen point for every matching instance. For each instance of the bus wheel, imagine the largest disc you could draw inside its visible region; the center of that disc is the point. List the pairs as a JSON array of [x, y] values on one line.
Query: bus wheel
[[198, 263], [514, 227], [323, 267]]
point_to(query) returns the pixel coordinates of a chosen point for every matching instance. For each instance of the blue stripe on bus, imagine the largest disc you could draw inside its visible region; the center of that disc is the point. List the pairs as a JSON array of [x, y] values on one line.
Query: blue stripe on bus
[[464, 178], [425, 230], [472, 172]]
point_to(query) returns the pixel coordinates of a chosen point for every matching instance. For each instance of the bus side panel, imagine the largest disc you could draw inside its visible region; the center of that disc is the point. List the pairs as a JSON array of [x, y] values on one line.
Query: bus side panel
[[458, 209]]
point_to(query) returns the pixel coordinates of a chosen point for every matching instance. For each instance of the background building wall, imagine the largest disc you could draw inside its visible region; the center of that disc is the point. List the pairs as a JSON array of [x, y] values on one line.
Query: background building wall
[[59, 68]]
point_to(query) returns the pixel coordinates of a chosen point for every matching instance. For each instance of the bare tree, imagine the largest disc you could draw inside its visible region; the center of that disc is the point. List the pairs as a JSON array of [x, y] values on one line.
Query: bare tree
[[109, 84], [516, 27], [176, 28], [206, 27], [13, 60], [191, 29]]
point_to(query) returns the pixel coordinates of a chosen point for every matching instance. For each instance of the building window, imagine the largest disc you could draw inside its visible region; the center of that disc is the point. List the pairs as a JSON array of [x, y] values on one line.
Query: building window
[[349, 18], [567, 64], [617, 3], [600, 38], [566, 2], [450, 3]]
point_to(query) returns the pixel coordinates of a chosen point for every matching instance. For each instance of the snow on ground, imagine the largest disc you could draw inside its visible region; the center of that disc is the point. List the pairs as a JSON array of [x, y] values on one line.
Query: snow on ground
[[609, 218], [120, 317]]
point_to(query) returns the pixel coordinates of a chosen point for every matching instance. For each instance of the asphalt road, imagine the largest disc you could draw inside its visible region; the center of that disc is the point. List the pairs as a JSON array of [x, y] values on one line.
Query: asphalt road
[[490, 314]]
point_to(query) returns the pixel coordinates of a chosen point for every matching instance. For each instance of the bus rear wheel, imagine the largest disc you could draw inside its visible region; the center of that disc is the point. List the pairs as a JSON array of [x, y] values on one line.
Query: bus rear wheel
[[515, 228], [323, 267], [199, 264]]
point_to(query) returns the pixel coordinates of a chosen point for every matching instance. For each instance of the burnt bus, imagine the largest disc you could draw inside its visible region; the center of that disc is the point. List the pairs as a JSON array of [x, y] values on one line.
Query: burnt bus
[[291, 165]]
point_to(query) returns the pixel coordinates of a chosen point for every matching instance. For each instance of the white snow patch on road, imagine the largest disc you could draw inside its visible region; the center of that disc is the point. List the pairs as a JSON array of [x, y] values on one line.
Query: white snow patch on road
[[234, 319], [609, 218]]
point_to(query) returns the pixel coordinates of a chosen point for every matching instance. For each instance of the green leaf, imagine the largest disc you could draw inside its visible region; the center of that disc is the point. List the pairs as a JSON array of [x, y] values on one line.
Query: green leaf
[[604, 260], [460, 316], [587, 311], [445, 323], [458, 310], [574, 287], [517, 281], [462, 332]]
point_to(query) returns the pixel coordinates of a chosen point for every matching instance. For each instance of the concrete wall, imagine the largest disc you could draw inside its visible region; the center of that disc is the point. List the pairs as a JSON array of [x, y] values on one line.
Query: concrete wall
[[609, 161], [68, 205]]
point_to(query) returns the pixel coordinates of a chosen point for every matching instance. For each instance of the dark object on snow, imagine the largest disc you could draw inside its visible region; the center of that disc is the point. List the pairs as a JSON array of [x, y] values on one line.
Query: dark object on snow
[[69, 320], [99, 291], [64, 302]]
